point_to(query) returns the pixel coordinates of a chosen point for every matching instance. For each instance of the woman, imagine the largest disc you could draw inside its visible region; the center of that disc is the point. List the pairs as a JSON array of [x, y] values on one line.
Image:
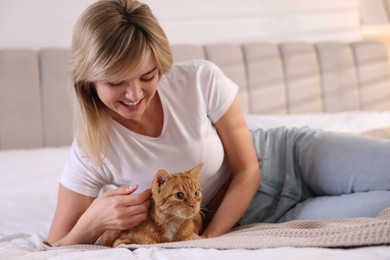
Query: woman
[[132, 118], [135, 113]]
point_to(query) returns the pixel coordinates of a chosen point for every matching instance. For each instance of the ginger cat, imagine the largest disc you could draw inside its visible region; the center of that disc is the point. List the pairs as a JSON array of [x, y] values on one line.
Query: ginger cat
[[174, 212]]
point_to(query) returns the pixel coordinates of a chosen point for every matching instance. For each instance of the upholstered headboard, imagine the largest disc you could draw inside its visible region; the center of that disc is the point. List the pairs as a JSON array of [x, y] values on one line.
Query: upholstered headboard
[[291, 78], [285, 78]]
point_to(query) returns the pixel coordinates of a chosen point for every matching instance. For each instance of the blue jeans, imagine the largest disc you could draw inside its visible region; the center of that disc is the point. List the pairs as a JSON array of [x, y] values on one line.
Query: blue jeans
[[314, 174]]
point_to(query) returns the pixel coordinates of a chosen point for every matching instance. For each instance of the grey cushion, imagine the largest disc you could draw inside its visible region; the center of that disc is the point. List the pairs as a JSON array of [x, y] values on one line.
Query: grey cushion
[[56, 84], [304, 94], [373, 75], [265, 78], [338, 77], [20, 100], [183, 52]]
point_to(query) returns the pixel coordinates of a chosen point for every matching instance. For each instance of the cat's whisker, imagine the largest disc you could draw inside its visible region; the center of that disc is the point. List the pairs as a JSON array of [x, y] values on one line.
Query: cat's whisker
[[203, 210]]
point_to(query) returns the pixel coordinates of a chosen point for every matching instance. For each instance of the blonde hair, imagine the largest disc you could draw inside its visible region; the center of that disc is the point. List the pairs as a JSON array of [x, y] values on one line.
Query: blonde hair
[[112, 40]]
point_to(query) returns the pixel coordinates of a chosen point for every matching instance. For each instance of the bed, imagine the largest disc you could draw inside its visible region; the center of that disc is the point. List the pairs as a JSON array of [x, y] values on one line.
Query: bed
[[342, 87]]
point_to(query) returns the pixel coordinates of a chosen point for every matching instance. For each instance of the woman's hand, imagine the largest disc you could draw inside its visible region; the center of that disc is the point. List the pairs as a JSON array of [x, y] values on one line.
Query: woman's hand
[[119, 208], [196, 236], [82, 219]]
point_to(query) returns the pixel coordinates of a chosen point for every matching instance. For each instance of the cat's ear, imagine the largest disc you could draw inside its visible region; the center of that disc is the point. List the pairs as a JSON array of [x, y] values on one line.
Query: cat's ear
[[161, 177], [195, 171]]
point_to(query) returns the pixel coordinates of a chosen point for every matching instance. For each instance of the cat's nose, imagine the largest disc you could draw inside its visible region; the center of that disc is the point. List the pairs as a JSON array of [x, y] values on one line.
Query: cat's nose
[[192, 205]]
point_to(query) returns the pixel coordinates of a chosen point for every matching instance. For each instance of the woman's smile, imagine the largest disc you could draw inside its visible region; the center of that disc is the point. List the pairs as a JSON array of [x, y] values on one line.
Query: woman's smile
[[132, 105]]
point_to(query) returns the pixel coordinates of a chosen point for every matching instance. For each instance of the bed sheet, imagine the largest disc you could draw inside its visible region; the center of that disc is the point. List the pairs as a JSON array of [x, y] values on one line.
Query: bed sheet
[[28, 193], [347, 122]]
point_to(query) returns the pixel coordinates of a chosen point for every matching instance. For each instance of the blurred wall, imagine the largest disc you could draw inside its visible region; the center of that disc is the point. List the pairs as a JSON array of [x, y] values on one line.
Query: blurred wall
[[49, 23], [375, 17]]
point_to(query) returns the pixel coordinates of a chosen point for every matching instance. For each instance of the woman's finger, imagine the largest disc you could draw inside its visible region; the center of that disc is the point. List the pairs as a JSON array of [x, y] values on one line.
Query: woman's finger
[[135, 199], [134, 220], [123, 190], [138, 208]]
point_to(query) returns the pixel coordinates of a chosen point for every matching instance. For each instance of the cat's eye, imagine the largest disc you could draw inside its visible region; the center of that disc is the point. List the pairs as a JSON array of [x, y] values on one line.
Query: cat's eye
[[197, 193], [179, 195]]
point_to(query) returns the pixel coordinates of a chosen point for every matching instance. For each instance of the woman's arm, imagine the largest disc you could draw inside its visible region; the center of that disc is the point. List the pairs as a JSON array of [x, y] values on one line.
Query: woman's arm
[[81, 219], [245, 180]]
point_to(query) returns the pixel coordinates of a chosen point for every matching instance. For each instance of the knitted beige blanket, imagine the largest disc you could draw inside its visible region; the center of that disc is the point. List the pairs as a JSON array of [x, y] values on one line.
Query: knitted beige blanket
[[340, 233]]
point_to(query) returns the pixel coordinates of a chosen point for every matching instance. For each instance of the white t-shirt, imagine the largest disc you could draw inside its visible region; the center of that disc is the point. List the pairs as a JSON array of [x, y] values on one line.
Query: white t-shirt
[[194, 95]]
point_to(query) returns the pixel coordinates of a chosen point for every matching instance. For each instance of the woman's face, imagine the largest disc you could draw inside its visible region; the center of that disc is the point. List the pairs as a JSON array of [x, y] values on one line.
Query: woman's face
[[129, 99]]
